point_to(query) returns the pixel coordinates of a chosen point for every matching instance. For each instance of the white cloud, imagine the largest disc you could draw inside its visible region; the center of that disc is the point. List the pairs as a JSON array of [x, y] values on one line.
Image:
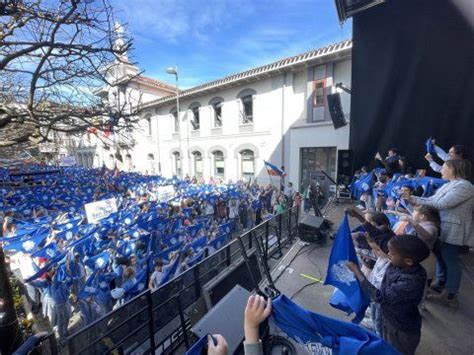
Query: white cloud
[[173, 20]]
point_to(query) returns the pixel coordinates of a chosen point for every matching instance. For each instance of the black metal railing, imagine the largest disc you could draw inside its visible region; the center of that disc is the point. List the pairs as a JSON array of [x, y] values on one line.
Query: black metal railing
[[156, 322]]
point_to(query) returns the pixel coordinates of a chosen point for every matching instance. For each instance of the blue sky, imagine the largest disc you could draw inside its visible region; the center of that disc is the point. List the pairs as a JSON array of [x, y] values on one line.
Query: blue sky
[[209, 39]]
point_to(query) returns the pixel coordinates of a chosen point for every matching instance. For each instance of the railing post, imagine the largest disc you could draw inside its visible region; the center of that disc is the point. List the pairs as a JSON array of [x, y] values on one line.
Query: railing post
[[197, 284], [290, 236], [265, 244], [227, 255], [263, 261], [151, 321], [183, 321], [246, 259], [279, 234], [70, 347]]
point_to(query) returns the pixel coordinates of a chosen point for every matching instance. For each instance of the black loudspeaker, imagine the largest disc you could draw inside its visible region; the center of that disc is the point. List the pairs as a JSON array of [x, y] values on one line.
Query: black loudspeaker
[[312, 229], [226, 318], [345, 166], [335, 110], [237, 273], [347, 8]]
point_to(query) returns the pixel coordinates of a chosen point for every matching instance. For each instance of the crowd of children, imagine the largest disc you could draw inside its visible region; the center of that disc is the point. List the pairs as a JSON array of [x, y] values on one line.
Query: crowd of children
[[409, 240], [75, 267]]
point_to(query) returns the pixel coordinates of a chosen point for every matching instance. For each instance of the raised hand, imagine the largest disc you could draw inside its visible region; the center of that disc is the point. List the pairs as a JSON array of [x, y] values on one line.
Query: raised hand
[[256, 312]]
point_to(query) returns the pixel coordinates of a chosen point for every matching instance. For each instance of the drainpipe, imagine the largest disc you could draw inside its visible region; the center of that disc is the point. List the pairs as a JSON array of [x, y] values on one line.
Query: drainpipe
[[283, 85]]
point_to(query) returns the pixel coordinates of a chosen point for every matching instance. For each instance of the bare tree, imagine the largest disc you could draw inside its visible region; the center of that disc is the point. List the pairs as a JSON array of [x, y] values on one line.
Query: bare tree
[[55, 56]]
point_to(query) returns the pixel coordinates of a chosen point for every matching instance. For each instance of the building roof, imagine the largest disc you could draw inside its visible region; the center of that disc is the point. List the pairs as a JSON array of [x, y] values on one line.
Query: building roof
[[299, 61], [155, 83]]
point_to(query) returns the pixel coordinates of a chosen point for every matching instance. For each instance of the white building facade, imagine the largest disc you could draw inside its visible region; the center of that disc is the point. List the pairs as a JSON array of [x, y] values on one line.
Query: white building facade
[[228, 127]]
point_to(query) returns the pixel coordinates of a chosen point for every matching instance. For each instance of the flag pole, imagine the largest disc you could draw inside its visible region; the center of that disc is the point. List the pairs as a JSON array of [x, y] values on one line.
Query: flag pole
[[271, 180]]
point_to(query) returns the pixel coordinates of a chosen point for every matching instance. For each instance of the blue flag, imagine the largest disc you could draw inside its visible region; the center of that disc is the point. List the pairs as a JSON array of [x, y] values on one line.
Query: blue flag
[[219, 242], [318, 333], [348, 297], [430, 146], [91, 287], [170, 270], [165, 254], [49, 251], [196, 258], [193, 230], [49, 265], [140, 285], [98, 262], [198, 244], [29, 244], [171, 240], [226, 227]]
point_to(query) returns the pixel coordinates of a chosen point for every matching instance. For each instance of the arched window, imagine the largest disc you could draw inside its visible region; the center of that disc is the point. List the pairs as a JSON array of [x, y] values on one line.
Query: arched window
[[111, 161], [79, 159], [174, 115], [247, 109], [195, 119], [151, 162], [247, 164], [177, 163], [219, 165], [197, 159], [216, 105], [90, 160], [148, 121], [246, 97], [128, 162]]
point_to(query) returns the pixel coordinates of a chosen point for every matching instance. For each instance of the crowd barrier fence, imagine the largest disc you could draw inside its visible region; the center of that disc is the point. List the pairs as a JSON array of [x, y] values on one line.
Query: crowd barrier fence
[[157, 321]]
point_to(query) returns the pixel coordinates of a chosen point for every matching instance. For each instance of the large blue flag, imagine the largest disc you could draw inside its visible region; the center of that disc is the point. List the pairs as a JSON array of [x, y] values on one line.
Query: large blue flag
[[197, 244], [219, 242], [196, 258], [30, 244], [170, 270], [348, 297], [430, 146], [320, 334], [54, 262], [193, 230], [140, 285], [226, 227], [99, 261], [49, 251], [91, 287]]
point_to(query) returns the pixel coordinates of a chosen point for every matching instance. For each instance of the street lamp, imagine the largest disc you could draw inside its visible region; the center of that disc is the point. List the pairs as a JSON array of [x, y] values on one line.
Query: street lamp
[[174, 71]]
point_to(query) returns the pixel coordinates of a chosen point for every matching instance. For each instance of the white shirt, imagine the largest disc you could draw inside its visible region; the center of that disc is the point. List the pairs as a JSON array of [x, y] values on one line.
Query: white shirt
[[289, 191], [209, 209], [156, 278], [233, 209], [378, 272], [442, 155]]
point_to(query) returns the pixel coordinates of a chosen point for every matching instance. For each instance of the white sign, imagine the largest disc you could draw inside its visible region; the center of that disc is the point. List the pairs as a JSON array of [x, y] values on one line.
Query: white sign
[[165, 193], [95, 211], [67, 161]]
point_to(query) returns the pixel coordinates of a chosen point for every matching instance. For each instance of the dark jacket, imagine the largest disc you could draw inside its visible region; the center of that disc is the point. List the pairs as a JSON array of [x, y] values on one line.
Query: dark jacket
[[399, 296]]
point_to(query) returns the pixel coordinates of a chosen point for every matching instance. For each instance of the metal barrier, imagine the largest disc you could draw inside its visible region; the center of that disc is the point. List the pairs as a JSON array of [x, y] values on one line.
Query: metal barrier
[[155, 322]]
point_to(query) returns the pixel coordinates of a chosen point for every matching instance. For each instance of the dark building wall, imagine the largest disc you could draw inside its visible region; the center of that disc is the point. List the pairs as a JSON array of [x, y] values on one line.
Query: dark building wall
[[412, 77]]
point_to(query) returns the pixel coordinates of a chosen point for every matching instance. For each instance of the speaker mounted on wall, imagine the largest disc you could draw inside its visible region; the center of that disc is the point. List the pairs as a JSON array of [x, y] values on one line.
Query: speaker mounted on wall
[[335, 110]]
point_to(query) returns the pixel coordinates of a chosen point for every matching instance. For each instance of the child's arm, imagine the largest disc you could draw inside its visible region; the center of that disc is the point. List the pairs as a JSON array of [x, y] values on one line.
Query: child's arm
[[376, 249], [404, 290], [422, 233], [354, 212]]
